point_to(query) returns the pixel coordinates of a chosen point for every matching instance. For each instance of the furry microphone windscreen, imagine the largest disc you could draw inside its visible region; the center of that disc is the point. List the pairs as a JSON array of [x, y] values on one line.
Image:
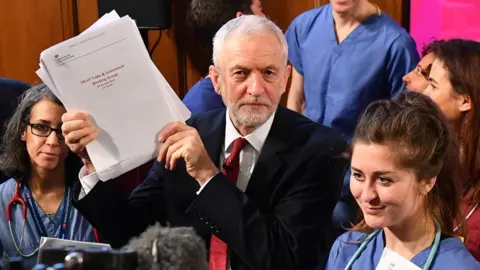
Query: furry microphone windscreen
[[167, 248]]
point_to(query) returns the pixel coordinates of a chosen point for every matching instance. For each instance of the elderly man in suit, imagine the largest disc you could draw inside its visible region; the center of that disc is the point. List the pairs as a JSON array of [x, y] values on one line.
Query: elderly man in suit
[[257, 181]]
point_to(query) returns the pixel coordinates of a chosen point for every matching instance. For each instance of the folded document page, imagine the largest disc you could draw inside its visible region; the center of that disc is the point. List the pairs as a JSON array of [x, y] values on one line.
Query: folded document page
[[107, 72]]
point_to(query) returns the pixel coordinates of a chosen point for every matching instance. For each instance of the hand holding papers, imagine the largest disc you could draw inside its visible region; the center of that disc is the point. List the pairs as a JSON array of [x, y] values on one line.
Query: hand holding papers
[[106, 71]]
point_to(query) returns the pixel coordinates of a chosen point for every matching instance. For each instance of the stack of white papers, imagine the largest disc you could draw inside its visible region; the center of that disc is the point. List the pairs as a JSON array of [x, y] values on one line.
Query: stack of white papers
[[49, 242], [107, 72]]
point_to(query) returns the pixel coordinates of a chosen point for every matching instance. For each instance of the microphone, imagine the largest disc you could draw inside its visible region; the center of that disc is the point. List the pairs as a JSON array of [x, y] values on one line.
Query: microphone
[[158, 248], [169, 248]]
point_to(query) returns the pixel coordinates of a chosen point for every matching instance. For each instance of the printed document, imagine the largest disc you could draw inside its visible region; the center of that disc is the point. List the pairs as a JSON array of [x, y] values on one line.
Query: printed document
[[107, 72]]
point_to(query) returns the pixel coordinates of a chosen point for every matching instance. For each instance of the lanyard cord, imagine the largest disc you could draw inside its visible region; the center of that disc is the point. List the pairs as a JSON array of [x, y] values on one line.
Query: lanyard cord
[[369, 238], [465, 191], [361, 249], [436, 243], [65, 215], [17, 247], [63, 225], [468, 216]]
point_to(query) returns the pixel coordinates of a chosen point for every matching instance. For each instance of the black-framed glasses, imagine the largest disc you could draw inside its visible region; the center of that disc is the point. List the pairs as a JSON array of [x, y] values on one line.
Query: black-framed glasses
[[42, 130]]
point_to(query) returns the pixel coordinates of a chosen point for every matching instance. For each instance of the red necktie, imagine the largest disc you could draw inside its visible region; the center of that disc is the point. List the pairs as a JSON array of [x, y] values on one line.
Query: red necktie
[[218, 248]]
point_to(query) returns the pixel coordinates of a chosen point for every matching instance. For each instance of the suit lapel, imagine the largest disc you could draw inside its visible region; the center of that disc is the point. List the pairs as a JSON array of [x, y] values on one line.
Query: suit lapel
[[273, 157]]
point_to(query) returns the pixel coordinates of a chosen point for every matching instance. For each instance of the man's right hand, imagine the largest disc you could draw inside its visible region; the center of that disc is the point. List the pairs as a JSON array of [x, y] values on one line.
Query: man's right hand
[[79, 131]]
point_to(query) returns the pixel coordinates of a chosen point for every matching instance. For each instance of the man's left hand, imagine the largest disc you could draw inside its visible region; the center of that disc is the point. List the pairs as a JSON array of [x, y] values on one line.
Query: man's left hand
[[182, 141]]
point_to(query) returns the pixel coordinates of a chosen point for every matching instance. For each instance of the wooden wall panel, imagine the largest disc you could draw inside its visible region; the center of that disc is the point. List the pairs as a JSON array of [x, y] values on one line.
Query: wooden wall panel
[[282, 12], [165, 54], [45, 23], [165, 57], [87, 13], [28, 27], [392, 7]]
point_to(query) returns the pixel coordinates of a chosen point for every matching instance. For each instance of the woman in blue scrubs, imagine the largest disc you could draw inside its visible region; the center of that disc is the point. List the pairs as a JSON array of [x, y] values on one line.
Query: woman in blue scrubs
[[404, 179], [35, 155], [345, 55]]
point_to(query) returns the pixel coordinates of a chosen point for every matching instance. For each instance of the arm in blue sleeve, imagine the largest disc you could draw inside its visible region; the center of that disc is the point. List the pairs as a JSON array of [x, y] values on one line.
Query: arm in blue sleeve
[[332, 263], [403, 57], [294, 36], [345, 210], [202, 98]]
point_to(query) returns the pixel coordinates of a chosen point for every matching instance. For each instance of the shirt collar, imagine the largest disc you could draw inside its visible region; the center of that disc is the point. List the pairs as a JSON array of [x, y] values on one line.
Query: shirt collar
[[256, 139]]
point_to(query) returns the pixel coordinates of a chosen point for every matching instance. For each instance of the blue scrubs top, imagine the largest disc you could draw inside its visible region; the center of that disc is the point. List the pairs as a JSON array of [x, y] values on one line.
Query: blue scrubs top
[[340, 80], [202, 98], [79, 228], [451, 254]]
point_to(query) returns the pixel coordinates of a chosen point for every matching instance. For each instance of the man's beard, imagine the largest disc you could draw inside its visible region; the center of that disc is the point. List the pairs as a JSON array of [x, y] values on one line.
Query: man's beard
[[247, 116]]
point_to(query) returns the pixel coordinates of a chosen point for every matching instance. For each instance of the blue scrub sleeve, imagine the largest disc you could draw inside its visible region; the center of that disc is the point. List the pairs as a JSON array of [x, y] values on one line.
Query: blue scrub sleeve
[[345, 210], [202, 98], [294, 38], [403, 57], [332, 257]]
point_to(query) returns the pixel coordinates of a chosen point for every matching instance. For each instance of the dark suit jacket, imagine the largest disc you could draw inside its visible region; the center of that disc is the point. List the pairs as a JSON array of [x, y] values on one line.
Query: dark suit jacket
[[10, 91], [282, 221]]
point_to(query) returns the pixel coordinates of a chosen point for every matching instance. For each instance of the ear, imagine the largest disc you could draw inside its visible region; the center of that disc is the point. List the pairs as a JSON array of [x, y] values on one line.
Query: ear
[[215, 77], [23, 137], [288, 71], [466, 104], [427, 185], [238, 14]]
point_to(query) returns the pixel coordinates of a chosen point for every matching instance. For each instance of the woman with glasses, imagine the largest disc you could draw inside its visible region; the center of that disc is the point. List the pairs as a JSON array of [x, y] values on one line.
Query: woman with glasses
[[35, 202], [417, 79]]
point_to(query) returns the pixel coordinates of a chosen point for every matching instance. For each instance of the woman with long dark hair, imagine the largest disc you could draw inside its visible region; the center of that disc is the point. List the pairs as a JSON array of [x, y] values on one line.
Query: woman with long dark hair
[[455, 88], [36, 201]]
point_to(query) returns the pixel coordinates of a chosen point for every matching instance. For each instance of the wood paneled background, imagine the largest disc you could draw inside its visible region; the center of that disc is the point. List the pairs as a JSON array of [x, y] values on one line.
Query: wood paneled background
[[27, 27]]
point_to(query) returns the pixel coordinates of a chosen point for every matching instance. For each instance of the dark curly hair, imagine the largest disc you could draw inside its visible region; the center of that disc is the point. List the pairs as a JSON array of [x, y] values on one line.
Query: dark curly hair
[[204, 19], [430, 48]]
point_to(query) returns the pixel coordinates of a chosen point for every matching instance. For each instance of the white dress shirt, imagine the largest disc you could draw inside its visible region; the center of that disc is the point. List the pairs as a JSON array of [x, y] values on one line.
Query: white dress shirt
[[248, 156], [250, 153]]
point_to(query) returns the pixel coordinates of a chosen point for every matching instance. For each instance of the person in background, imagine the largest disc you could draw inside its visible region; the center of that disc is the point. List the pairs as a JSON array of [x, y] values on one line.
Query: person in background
[[455, 87], [417, 79], [257, 181], [35, 155], [404, 163], [204, 18], [10, 90], [345, 55]]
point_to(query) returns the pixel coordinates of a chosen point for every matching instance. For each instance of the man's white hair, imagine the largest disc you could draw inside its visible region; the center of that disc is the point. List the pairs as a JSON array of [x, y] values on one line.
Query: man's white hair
[[246, 25]]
